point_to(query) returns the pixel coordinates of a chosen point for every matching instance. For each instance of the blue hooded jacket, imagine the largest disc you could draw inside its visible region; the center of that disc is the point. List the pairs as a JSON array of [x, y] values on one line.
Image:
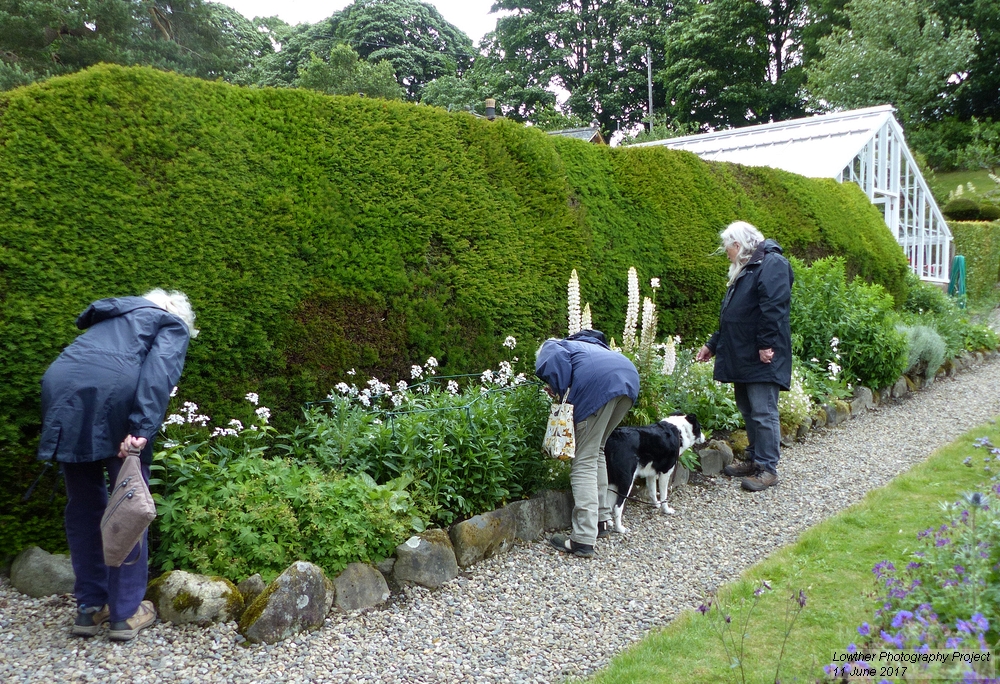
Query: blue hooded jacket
[[594, 373], [112, 381]]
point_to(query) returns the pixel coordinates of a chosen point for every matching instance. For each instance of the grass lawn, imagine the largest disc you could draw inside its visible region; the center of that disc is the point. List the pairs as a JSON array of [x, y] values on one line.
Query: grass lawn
[[943, 183], [831, 562]]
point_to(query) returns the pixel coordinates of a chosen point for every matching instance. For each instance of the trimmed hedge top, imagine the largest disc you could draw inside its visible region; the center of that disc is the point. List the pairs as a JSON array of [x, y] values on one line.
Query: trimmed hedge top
[[315, 234]]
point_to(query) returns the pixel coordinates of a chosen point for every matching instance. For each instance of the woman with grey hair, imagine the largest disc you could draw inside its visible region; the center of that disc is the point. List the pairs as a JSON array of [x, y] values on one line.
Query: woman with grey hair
[[753, 346], [106, 393]]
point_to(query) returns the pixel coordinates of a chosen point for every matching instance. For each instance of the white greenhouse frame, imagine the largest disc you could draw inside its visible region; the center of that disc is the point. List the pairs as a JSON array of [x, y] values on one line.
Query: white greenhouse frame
[[863, 146]]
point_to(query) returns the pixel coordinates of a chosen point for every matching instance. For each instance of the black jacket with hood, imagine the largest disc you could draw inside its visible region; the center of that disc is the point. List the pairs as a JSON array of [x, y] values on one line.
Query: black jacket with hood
[[754, 316], [112, 381]]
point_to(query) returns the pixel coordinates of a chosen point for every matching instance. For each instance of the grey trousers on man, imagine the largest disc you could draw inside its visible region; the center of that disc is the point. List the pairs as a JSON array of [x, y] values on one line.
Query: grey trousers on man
[[589, 477], [758, 403]]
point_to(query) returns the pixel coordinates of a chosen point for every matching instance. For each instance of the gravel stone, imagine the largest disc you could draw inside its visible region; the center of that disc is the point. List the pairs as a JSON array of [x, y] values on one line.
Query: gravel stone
[[521, 616]]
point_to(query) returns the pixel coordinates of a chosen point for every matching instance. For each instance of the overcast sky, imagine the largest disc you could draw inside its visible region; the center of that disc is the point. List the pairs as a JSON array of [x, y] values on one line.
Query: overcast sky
[[472, 16]]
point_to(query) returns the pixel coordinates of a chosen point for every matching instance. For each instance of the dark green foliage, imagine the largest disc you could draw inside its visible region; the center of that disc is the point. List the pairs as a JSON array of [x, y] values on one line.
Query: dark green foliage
[[253, 514], [989, 212], [825, 305], [980, 244], [961, 209], [314, 234], [467, 453]]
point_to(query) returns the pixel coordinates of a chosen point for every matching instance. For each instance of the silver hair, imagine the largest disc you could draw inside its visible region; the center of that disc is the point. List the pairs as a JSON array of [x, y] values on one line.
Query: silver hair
[[176, 303], [747, 237]]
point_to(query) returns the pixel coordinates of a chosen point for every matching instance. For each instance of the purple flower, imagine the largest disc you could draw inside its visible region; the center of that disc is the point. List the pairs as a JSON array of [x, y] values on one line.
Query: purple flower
[[953, 642], [959, 570], [851, 648], [942, 542], [802, 599], [921, 535], [895, 640], [703, 608], [729, 619], [981, 623], [901, 617], [963, 626], [865, 629]]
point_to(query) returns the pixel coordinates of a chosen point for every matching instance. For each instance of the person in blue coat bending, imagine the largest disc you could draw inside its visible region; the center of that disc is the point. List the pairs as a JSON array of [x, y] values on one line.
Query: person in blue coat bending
[[753, 346], [602, 385], [105, 393]]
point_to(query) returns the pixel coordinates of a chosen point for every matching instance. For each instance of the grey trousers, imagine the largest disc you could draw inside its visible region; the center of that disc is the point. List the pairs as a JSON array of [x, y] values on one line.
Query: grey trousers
[[758, 403], [589, 476]]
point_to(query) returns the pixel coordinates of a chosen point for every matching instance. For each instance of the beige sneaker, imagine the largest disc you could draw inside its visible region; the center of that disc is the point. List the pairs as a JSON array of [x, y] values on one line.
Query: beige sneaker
[[89, 623], [125, 630]]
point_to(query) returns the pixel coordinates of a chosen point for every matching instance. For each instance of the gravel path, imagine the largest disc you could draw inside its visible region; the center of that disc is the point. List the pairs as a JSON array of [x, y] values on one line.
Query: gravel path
[[532, 615]]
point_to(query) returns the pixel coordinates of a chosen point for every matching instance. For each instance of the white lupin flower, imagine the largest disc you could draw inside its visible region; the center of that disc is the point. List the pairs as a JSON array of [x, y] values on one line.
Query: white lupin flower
[[632, 312], [573, 303], [252, 398], [586, 321], [648, 327], [669, 356]]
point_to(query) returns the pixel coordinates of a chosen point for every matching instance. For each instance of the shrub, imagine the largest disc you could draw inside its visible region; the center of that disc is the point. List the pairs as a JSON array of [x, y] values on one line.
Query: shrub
[[961, 209], [923, 297], [925, 350], [467, 451], [859, 315], [692, 389], [989, 212], [234, 512]]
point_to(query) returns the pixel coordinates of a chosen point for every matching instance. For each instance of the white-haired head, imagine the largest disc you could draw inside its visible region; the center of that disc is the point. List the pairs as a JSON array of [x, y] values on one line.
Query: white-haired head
[[747, 238], [176, 303]]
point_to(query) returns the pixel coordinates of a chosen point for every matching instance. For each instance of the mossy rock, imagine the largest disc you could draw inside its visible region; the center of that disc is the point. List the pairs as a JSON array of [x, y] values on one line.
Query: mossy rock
[[184, 597], [739, 442]]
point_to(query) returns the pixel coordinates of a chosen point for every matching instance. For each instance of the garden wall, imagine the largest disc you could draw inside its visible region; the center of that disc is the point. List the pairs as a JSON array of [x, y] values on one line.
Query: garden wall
[[316, 234]]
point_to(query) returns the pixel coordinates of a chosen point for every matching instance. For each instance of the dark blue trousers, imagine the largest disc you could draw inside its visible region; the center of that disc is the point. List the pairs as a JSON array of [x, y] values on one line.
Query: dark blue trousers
[[758, 403], [122, 588]]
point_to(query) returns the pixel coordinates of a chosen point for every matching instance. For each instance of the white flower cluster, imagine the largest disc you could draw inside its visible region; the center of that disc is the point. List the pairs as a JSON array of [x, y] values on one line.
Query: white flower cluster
[[264, 413], [648, 327], [669, 349], [252, 398], [573, 303], [452, 387], [632, 312], [510, 342], [190, 416], [586, 320], [224, 432], [833, 366], [794, 406]]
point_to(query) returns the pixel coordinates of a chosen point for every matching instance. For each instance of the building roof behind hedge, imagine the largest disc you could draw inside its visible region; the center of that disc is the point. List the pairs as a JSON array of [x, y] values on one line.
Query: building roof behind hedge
[[817, 147]]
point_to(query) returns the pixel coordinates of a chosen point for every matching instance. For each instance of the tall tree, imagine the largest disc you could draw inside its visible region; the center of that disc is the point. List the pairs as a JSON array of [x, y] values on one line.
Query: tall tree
[[594, 49], [344, 74], [897, 52], [412, 35], [39, 38], [733, 63], [981, 95]]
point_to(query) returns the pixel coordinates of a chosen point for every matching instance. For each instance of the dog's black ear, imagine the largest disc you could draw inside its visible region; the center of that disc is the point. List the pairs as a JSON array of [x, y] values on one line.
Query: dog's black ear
[[693, 419], [678, 413]]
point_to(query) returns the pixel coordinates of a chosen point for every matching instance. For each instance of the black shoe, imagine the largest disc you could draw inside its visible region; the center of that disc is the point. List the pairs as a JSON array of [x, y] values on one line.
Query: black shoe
[[604, 529], [741, 469], [567, 545]]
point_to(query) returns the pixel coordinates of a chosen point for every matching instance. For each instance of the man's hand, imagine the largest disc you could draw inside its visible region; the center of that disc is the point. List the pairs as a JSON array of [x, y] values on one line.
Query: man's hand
[[766, 355], [130, 441], [704, 354]]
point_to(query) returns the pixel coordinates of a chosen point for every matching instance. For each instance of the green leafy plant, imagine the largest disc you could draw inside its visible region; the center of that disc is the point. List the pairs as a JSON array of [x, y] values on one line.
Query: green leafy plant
[[926, 350]]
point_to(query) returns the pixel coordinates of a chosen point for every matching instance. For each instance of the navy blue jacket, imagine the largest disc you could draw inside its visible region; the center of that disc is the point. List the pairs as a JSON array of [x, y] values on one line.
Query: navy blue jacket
[[595, 373], [112, 381], [754, 316]]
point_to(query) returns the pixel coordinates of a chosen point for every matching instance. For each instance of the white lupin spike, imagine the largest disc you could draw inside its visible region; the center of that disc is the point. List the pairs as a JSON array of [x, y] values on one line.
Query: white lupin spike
[[586, 322], [573, 303], [632, 312]]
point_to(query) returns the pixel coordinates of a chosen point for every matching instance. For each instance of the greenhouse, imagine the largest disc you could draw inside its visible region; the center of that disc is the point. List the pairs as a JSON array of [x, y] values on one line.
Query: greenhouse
[[864, 146]]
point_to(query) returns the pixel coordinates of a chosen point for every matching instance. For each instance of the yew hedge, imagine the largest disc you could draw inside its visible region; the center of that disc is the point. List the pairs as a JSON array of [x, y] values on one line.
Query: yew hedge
[[315, 234]]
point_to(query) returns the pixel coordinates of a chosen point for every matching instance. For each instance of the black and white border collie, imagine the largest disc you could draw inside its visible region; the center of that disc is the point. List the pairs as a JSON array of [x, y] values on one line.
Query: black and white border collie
[[649, 451]]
